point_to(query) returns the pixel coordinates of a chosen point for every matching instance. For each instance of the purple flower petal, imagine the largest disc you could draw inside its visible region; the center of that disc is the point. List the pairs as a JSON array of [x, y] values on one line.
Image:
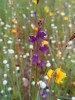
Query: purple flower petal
[[32, 38], [44, 48], [41, 62], [43, 94], [35, 58], [42, 34]]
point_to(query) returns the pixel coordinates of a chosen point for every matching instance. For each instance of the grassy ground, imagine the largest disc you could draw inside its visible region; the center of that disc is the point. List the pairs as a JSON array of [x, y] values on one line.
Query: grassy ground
[[19, 78]]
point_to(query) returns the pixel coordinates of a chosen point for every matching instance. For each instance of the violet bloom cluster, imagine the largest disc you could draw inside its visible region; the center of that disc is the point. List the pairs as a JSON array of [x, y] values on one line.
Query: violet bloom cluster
[[36, 39]]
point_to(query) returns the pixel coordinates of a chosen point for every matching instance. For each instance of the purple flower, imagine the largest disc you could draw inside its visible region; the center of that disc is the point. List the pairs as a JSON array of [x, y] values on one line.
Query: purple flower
[[34, 13], [35, 58], [43, 94], [42, 34], [32, 38], [44, 48], [41, 62]]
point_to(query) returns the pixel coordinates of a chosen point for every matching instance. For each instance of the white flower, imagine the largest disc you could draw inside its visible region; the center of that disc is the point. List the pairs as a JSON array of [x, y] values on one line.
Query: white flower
[[24, 27], [42, 84], [46, 77], [24, 56], [70, 42], [27, 54], [62, 58], [70, 25], [74, 49], [2, 23], [33, 83], [1, 40], [4, 61], [73, 98], [16, 56], [7, 65], [53, 59], [52, 25], [69, 48], [62, 14], [10, 51], [9, 89], [5, 52], [69, 6], [5, 75], [7, 25], [32, 25], [73, 61], [9, 42], [31, 46], [49, 54], [5, 82], [2, 91], [48, 64], [5, 28], [23, 78], [17, 68], [47, 90], [53, 41]]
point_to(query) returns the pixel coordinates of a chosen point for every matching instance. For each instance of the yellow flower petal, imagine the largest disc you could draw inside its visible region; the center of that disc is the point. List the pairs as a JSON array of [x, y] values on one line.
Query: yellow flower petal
[[66, 18], [34, 1], [59, 76], [46, 8], [14, 31], [5, 35], [51, 13], [49, 73], [44, 42]]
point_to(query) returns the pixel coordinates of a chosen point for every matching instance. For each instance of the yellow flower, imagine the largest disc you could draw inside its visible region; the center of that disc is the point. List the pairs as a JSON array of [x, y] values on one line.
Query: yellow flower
[[14, 31], [58, 55], [51, 13], [59, 76], [14, 20], [49, 73], [34, 1], [5, 35], [66, 18], [46, 8], [44, 42], [35, 28]]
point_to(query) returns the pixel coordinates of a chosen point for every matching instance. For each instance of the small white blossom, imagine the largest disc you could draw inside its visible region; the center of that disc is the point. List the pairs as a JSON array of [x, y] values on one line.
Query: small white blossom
[[2, 91], [5, 82], [5, 75], [16, 56], [9, 89], [31, 46], [4, 61], [24, 56], [70, 42], [48, 64], [47, 90], [73, 98], [33, 83], [1, 40], [27, 54], [17, 68], [10, 51], [46, 77], [9, 42], [42, 84]]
